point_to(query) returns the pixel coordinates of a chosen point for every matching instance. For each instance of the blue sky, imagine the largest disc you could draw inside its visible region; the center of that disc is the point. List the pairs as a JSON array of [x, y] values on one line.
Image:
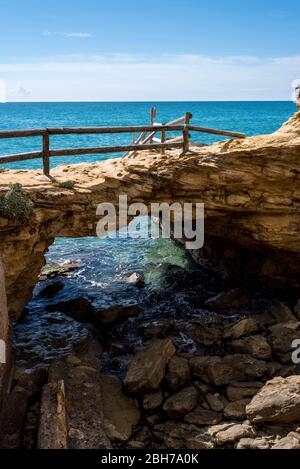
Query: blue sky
[[149, 50]]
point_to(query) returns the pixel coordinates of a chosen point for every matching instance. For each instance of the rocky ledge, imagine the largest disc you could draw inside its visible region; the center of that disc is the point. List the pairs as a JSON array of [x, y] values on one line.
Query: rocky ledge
[[250, 188]]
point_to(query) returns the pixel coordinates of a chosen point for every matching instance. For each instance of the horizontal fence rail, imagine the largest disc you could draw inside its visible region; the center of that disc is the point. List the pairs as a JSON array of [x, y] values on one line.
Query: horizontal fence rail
[[146, 141], [87, 130], [225, 133], [102, 150]]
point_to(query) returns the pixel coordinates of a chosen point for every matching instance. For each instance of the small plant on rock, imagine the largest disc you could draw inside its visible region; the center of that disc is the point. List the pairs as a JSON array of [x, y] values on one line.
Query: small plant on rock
[[15, 205], [66, 184]]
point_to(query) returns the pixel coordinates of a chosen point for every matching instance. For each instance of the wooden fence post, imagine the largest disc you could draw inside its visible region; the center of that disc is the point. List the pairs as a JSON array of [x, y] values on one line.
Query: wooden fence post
[[153, 113], [163, 140], [46, 151], [186, 133]]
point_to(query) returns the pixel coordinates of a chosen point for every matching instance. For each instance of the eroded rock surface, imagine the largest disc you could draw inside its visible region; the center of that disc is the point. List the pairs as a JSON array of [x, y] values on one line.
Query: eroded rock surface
[[250, 188], [278, 401]]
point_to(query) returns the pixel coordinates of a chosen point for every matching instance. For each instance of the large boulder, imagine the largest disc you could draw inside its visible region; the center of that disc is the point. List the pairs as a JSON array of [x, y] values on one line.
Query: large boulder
[[181, 403], [53, 428], [241, 390], [256, 345], [148, 367], [233, 432], [277, 401], [241, 328], [121, 414], [223, 370], [178, 372]]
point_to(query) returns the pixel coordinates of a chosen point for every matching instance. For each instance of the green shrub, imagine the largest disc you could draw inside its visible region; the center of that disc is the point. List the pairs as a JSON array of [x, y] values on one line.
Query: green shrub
[[15, 205], [66, 184]]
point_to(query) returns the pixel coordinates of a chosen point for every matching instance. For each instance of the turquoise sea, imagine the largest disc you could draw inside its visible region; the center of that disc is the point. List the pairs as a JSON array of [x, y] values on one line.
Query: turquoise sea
[[104, 263]]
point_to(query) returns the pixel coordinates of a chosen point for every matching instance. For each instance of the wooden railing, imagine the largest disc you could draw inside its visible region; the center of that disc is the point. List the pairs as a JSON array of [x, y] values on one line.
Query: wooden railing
[[146, 140]]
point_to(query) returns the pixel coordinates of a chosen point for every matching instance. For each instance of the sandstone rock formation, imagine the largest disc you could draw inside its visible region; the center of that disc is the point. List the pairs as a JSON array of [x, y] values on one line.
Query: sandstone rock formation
[[250, 188], [147, 369], [278, 401]]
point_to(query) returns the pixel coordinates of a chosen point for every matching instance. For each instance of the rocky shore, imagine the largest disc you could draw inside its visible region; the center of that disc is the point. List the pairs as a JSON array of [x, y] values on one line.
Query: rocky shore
[[223, 379]]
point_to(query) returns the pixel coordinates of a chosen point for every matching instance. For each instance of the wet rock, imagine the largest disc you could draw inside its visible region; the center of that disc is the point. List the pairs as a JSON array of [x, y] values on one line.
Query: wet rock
[[137, 279], [178, 372], [43, 337], [200, 416], [240, 329], [158, 329], [117, 313], [215, 370], [253, 443], [222, 370], [256, 345], [201, 441], [231, 300], [153, 400], [236, 410], [237, 391], [121, 414], [148, 367], [216, 402], [51, 289], [281, 339], [280, 312], [277, 401], [53, 431], [181, 403], [12, 418], [79, 308], [233, 432], [206, 334], [291, 441], [50, 272]]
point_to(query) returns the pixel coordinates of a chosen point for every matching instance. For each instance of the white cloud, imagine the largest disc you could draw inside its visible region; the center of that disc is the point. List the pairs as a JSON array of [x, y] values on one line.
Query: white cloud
[[124, 77], [2, 91], [66, 34]]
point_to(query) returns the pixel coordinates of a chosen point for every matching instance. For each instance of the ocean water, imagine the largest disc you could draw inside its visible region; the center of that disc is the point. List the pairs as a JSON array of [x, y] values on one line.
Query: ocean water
[[249, 117], [104, 264]]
